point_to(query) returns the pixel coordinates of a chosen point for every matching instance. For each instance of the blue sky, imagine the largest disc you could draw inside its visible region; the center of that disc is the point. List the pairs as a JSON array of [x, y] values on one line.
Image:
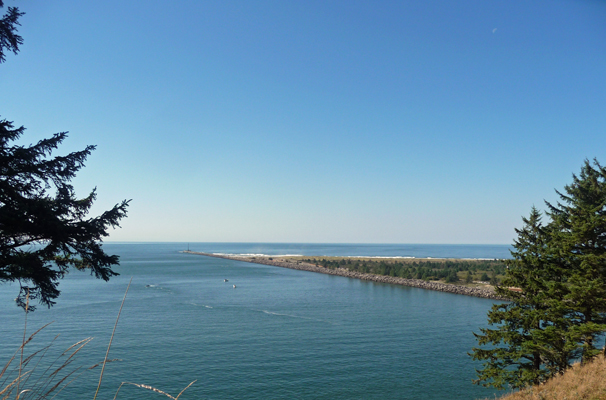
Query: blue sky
[[316, 121]]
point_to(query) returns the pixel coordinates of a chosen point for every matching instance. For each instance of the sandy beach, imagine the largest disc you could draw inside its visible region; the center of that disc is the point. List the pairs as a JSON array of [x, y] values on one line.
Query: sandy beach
[[485, 291]]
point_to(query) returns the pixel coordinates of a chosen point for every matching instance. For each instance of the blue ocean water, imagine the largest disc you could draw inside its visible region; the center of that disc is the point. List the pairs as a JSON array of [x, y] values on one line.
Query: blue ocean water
[[281, 334]]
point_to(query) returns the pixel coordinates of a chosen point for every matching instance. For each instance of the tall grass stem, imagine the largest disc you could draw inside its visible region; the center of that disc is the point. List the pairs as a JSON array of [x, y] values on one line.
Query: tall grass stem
[[23, 344], [110, 340]]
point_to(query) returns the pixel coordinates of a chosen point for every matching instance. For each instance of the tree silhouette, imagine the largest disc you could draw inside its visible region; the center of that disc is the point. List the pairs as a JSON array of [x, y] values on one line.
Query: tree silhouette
[[44, 228]]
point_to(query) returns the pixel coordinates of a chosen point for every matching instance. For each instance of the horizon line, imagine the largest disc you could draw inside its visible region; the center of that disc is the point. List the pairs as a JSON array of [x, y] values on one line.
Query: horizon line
[[319, 243]]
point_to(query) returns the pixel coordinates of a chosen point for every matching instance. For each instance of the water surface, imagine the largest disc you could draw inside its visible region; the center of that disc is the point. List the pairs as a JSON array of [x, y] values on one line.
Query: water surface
[[281, 334]]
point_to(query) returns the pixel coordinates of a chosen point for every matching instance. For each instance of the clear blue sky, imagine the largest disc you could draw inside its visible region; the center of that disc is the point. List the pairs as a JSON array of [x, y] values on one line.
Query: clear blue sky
[[316, 121]]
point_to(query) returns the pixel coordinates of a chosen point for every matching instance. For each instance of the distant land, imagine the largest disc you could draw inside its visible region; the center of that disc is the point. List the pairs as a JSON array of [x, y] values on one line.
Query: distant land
[[424, 273]]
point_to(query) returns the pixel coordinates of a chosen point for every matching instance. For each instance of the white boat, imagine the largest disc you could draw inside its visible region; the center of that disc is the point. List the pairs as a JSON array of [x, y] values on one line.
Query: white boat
[[234, 286]]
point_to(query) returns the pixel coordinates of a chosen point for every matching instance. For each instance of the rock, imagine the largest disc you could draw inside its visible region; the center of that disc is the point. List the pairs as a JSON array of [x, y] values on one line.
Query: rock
[[487, 293]]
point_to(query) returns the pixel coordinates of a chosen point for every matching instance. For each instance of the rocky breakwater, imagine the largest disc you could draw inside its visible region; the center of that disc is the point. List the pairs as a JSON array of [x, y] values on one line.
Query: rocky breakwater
[[484, 292]]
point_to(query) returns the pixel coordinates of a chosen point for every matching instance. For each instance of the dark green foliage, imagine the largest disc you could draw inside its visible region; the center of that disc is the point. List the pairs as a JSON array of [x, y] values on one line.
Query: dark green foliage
[[559, 306], [44, 228], [517, 351], [9, 39], [452, 276], [493, 278], [428, 270], [580, 250]]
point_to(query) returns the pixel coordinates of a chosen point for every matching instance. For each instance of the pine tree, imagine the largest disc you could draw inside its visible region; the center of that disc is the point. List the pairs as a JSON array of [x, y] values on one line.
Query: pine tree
[[9, 39], [520, 348], [579, 245], [560, 272], [44, 228]]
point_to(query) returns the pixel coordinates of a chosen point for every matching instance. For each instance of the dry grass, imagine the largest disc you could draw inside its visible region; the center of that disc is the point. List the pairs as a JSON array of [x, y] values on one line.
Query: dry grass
[[32, 378], [153, 389], [579, 383], [35, 378]]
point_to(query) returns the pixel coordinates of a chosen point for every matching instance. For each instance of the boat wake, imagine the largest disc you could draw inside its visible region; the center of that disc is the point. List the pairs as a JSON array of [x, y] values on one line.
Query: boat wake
[[293, 316], [199, 305], [156, 287]]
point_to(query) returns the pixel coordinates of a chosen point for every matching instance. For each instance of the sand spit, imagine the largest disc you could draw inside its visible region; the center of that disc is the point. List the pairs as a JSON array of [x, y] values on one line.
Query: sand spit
[[484, 292]]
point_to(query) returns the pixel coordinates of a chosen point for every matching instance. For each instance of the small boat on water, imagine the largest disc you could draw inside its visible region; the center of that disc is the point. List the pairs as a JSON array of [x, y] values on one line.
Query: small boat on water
[[225, 280], [234, 286]]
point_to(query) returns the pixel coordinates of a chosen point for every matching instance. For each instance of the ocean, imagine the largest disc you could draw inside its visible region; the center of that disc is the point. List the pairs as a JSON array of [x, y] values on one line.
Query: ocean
[[280, 334]]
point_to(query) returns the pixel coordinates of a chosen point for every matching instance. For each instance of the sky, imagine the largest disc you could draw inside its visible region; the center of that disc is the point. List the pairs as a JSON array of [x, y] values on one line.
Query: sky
[[315, 121]]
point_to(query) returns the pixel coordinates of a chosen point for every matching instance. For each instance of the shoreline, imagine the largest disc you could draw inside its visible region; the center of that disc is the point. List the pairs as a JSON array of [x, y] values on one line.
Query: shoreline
[[486, 293]]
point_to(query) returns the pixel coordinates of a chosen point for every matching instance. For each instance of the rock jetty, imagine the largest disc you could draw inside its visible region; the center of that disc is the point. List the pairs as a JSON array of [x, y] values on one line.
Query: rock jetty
[[487, 292]]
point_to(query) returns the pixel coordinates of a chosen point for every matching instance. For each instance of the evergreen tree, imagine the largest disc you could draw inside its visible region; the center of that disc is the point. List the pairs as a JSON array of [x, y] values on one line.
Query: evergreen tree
[[493, 278], [44, 228], [560, 272], [452, 276], [579, 245], [515, 354], [9, 39]]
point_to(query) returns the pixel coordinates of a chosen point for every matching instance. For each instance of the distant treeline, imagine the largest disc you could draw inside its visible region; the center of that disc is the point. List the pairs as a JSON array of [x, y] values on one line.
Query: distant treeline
[[450, 271]]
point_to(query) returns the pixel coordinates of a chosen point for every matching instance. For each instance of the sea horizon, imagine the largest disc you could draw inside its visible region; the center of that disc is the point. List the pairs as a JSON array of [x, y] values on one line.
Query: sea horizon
[[319, 243], [281, 333], [386, 250]]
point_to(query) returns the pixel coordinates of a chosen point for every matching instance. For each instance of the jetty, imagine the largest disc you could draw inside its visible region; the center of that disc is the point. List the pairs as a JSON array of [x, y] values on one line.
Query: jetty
[[486, 292]]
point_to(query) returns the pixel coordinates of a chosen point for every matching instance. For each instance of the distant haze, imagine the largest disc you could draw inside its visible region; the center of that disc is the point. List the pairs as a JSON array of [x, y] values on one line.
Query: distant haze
[[316, 121]]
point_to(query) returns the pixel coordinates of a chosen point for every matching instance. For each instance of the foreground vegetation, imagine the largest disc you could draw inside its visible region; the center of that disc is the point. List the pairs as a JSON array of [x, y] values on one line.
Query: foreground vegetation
[[445, 270], [44, 373], [559, 313], [579, 382]]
